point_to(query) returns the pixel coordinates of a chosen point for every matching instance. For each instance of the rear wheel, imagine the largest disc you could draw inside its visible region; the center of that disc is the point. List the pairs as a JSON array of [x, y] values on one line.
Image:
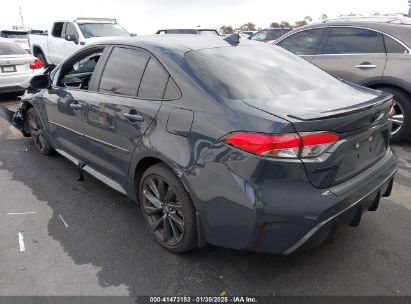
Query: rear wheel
[[401, 121], [36, 130], [167, 209]]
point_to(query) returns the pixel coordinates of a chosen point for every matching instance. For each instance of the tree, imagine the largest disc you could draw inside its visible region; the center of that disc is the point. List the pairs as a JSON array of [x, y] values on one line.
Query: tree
[[226, 29], [284, 24], [300, 23], [324, 16], [275, 25], [308, 19], [249, 27]]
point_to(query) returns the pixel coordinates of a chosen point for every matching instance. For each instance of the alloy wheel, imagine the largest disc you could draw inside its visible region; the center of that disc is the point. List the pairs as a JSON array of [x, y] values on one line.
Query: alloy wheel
[[36, 132], [163, 210], [398, 118]]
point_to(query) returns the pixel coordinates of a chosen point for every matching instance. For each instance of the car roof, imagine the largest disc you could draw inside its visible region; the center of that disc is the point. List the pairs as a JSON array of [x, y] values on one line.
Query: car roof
[[397, 30], [177, 43]]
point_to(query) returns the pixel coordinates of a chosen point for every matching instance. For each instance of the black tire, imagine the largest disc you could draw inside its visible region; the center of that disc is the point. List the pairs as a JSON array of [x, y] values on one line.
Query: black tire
[[403, 101], [159, 220], [37, 133], [42, 58]]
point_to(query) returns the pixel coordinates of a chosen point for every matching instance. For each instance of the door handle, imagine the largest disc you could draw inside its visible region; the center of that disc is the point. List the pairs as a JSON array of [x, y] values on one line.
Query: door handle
[[365, 66], [133, 117], [76, 106]]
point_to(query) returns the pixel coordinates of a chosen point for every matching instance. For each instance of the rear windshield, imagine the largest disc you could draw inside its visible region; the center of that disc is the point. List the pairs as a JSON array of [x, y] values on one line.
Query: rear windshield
[[208, 32], [11, 49], [102, 30], [254, 72]]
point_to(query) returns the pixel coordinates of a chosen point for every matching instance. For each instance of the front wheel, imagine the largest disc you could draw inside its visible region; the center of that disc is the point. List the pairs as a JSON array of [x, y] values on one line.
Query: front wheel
[[401, 121], [36, 130], [167, 209]]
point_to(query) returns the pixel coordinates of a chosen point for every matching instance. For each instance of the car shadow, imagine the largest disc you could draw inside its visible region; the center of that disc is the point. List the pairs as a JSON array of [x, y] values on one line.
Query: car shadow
[[107, 231]]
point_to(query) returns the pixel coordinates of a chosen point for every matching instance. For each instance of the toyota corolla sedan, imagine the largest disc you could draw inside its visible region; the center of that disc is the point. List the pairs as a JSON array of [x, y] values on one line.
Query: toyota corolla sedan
[[227, 141]]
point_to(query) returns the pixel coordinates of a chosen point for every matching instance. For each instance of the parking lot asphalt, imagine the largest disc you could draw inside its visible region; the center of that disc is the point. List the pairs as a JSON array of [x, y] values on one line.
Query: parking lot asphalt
[[83, 238]]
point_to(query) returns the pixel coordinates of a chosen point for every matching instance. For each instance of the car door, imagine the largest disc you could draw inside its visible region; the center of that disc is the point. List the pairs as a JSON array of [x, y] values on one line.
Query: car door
[[116, 118], [303, 43], [55, 43], [70, 47], [64, 100], [353, 54]]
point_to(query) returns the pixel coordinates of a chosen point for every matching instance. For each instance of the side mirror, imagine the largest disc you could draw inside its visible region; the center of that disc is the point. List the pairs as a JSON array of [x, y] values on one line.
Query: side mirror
[[71, 38], [40, 82], [133, 35]]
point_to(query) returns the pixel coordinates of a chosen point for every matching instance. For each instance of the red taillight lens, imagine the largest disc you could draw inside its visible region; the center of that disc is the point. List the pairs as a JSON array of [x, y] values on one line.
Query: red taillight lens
[[36, 64], [286, 145]]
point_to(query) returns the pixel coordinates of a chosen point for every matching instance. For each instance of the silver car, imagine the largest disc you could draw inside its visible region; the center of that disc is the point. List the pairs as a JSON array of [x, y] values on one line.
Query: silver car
[[374, 52], [16, 66]]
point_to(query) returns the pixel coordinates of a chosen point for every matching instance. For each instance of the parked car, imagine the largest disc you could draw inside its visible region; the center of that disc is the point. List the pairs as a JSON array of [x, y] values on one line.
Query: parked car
[[193, 31], [19, 37], [246, 147], [16, 65], [373, 52], [66, 37], [269, 35]]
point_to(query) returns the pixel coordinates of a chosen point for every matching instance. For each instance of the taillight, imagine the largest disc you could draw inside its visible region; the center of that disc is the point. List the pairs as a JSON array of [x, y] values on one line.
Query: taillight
[[36, 64], [285, 145]]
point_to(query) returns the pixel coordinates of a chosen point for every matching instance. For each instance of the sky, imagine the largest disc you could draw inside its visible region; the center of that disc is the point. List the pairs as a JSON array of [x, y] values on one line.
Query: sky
[[147, 16]]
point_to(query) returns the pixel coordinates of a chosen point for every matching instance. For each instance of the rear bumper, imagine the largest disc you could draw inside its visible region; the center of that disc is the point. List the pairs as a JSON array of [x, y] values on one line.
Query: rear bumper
[[351, 215], [12, 83], [269, 206]]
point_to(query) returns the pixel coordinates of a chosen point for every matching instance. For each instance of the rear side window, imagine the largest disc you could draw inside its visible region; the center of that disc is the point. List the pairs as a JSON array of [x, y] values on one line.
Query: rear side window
[[57, 29], [274, 34], [154, 81], [302, 43], [171, 90], [123, 71], [352, 41], [394, 47], [11, 49]]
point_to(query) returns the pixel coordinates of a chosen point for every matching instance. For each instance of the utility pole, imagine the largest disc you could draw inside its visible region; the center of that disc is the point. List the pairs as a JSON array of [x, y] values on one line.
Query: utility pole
[[21, 13]]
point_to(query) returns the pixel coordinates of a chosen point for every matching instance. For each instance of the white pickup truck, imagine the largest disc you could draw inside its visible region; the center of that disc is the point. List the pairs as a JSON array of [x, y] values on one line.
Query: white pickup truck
[[66, 37]]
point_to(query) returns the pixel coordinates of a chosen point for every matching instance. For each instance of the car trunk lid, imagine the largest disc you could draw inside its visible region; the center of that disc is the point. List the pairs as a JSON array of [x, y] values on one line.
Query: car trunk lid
[[359, 116]]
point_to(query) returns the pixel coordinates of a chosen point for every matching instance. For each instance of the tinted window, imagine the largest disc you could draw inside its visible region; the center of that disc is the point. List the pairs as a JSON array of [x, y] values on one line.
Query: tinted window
[[257, 71], [260, 35], [171, 90], [353, 41], [392, 46], [57, 29], [302, 43], [123, 71], [274, 34], [11, 49], [154, 81], [71, 30]]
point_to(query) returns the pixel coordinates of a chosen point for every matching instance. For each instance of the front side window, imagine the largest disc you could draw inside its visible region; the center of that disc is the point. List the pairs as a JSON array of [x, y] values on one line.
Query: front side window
[[102, 30], [346, 40], [123, 71], [394, 47], [302, 43], [78, 73], [71, 30]]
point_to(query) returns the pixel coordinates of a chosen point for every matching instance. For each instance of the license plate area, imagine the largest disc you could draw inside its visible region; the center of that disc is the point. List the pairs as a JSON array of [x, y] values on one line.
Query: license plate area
[[8, 69]]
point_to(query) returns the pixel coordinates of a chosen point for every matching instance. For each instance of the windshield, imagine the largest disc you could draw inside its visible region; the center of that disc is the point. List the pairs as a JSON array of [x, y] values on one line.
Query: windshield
[[11, 49], [102, 30], [257, 71], [208, 32]]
